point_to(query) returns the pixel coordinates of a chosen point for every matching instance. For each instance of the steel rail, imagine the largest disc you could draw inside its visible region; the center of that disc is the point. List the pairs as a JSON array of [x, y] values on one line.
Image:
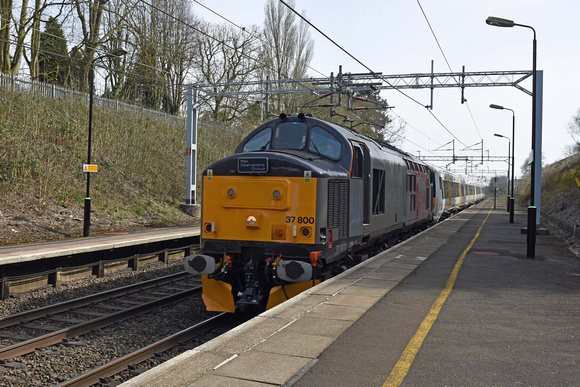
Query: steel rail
[[118, 365], [28, 346], [34, 314]]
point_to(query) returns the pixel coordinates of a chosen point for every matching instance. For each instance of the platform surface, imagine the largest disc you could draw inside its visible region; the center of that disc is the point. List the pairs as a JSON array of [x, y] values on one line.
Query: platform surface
[[33, 251], [458, 305]]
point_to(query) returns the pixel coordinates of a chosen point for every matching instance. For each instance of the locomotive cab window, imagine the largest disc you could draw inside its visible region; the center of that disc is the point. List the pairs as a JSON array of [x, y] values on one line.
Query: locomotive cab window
[[290, 135], [324, 144], [378, 191], [260, 141], [411, 183]]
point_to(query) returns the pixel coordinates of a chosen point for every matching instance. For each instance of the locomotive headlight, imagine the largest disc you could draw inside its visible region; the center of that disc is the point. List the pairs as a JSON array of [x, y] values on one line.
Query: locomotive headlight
[[251, 220], [209, 226], [277, 194], [305, 232], [231, 192]]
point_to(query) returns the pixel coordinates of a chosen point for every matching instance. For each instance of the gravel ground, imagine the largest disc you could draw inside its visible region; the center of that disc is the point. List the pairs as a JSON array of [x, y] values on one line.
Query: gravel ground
[[19, 302], [60, 362]]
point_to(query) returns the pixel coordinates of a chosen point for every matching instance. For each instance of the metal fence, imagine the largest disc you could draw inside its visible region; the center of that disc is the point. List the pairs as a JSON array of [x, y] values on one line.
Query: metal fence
[[571, 230], [14, 83]]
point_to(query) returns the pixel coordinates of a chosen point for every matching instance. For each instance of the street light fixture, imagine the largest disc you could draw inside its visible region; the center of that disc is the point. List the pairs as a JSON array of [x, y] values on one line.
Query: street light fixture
[[512, 198], [508, 172], [532, 211], [499, 22], [87, 204]]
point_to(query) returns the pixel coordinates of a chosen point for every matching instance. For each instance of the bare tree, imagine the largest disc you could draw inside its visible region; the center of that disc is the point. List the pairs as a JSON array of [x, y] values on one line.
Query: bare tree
[[177, 48], [574, 127], [163, 38], [88, 18], [288, 47], [15, 25], [571, 150], [35, 42], [8, 64], [224, 55], [144, 82]]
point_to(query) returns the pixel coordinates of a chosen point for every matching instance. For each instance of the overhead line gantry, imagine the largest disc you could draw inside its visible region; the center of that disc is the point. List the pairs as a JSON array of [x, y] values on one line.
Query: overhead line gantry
[[348, 83]]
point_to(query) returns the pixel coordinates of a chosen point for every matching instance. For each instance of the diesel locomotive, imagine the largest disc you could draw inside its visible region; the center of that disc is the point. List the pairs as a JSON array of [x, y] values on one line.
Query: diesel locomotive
[[299, 199]]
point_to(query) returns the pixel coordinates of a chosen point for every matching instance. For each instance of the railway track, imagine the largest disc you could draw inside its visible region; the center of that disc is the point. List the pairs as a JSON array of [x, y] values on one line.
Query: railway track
[[32, 267], [96, 375], [67, 320], [108, 309]]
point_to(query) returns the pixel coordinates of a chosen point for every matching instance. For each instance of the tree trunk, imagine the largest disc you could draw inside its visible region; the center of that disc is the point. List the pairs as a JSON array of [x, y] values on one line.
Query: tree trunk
[[35, 42], [5, 18]]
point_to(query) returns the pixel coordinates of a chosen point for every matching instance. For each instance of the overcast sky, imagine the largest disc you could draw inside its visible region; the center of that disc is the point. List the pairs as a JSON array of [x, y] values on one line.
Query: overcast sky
[[393, 37]]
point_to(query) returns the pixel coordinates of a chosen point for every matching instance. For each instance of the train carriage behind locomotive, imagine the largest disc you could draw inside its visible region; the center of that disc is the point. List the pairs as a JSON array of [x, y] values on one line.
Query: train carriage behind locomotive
[[298, 198], [452, 193]]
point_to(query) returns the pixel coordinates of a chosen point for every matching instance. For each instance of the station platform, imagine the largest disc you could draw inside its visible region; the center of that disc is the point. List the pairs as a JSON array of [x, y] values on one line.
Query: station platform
[[457, 305], [69, 247], [31, 266]]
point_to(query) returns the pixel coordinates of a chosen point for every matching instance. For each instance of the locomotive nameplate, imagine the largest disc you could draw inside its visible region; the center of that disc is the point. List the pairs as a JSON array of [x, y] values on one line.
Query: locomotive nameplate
[[253, 165]]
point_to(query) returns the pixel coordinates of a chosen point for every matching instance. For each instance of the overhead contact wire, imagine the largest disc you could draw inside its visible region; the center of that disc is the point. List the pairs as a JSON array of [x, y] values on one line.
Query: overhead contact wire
[[369, 69], [215, 39], [245, 30], [448, 65]]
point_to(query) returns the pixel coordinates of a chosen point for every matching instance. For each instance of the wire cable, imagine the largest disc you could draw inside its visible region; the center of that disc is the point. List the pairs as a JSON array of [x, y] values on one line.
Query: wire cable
[[255, 36], [369, 69], [215, 39], [446, 61]]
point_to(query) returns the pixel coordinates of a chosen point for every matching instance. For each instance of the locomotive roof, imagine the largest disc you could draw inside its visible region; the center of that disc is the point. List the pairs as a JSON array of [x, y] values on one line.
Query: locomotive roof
[[344, 132]]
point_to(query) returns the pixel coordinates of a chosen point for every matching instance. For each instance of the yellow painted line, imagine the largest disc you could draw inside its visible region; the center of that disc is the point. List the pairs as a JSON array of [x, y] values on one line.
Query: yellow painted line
[[406, 360]]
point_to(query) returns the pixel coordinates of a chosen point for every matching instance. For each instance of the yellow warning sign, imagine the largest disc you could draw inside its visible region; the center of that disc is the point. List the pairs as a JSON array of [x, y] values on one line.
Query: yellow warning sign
[[576, 176], [90, 168], [307, 176], [209, 174]]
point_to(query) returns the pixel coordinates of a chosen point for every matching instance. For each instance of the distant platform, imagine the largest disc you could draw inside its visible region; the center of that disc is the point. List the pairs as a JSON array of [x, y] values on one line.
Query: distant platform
[[36, 251]]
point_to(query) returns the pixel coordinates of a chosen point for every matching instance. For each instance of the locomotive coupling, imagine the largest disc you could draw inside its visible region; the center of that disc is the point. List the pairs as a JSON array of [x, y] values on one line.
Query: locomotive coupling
[[199, 264], [294, 271]]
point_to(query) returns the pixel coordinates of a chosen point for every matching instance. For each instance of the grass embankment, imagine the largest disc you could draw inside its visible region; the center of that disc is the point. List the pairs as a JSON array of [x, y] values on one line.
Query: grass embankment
[[561, 193], [141, 160], [558, 179]]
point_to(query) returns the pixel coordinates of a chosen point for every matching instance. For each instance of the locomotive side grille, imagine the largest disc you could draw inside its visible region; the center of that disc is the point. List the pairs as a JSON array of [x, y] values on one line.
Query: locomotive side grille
[[338, 199]]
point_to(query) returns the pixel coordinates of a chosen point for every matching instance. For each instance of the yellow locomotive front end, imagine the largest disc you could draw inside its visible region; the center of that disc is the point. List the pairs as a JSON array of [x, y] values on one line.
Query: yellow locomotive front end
[[266, 224], [254, 229], [255, 208]]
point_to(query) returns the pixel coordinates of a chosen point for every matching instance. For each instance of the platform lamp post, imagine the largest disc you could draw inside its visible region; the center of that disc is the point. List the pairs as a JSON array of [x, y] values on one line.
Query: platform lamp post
[[512, 198], [508, 171], [532, 210], [87, 204]]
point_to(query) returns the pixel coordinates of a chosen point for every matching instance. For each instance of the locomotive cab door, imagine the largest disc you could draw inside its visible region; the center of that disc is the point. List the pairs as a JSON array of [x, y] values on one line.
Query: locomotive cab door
[[360, 188]]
